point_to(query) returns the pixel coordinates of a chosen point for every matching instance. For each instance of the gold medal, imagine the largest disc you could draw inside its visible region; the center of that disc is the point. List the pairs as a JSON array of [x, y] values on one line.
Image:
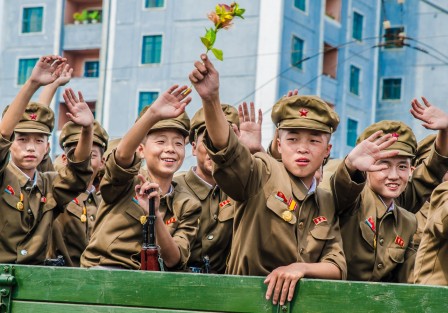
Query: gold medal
[[19, 206], [287, 216], [83, 218], [143, 219]]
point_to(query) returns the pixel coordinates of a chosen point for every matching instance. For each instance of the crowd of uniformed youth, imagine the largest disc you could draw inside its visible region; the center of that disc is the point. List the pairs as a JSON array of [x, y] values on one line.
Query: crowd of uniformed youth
[[380, 214]]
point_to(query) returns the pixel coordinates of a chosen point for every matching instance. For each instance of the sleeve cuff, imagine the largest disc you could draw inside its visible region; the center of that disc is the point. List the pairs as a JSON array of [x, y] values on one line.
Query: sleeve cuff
[[226, 156], [119, 173]]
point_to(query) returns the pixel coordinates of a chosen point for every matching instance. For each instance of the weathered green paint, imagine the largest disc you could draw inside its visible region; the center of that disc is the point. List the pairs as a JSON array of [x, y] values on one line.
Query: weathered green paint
[[7, 282], [45, 289]]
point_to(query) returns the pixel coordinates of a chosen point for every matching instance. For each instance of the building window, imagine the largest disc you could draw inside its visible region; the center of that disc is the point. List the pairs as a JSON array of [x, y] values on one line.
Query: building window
[[352, 132], [297, 52], [392, 89], [32, 20], [25, 68], [330, 66], [92, 69], [333, 9], [354, 79], [357, 26], [393, 37], [146, 98], [154, 3], [152, 49], [300, 4]]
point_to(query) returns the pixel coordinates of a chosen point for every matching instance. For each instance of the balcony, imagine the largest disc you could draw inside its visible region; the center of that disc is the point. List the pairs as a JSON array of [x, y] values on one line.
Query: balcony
[[82, 36]]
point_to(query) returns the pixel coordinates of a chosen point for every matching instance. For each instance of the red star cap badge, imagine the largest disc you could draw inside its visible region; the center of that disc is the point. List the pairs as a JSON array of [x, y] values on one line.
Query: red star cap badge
[[303, 112], [33, 116], [395, 135]]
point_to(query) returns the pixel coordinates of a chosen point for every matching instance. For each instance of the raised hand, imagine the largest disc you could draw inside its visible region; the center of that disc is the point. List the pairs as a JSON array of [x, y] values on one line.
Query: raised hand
[[79, 112], [171, 103], [47, 70], [365, 155], [65, 76], [431, 116], [250, 129], [143, 194], [205, 79], [291, 93]]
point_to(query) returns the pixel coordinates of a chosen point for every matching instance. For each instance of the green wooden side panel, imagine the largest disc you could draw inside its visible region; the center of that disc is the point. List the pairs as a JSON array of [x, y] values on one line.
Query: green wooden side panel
[[45, 289], [33, 307]]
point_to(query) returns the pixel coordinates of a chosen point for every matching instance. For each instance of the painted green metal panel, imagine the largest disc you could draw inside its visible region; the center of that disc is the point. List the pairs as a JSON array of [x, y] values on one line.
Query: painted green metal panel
[[45, 289]]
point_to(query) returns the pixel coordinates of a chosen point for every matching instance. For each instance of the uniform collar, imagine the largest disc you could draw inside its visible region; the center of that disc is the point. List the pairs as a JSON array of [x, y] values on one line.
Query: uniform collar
[[199, 186], [298, 187], [25, 179]]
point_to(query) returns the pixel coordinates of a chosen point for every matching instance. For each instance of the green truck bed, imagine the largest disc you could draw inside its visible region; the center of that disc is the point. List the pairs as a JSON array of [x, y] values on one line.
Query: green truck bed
[[51, 289]]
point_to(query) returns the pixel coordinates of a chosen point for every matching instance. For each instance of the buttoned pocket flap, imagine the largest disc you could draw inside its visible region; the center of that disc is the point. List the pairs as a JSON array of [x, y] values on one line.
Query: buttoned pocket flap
[[74, 209], [280, 209], [11, 200], [227, 212], [367, 233], [135, 210], [50, 204], [322, 232], [397, 254]]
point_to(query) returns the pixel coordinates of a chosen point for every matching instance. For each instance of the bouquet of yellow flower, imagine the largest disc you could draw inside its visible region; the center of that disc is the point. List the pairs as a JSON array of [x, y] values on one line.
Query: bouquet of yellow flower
[[222, 18]]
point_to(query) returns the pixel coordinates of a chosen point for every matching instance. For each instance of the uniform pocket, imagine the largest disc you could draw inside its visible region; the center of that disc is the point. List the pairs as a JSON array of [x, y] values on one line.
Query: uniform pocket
[[227, 212], [367, 234], [322, 232], [281, 209], [397, 254]]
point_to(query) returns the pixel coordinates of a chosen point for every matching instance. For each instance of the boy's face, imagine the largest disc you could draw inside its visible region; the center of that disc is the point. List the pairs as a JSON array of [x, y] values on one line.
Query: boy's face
[[96, 160], [303, 151], [205, 164], [164, 152], [391, 182], [28, 150]]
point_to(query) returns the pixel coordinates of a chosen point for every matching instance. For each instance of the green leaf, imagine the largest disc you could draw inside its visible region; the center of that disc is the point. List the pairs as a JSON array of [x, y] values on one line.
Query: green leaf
[[206, 42], [240, 12], [218, 54], [211, 36]]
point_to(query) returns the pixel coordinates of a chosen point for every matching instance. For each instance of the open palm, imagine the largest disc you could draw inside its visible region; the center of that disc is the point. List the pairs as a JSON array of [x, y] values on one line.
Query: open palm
[[250, 129], [79, 112], [431, 116], [47, 69], [172, 102]]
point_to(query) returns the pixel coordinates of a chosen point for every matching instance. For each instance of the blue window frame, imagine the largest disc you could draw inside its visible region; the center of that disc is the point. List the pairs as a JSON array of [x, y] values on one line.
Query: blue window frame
[[357, 26], [25, 68], [297, 52], [146, 98], [152, 49], [391, 89], [300, 4], [92, 69], [154, 3], [352, 132], [354, 79], [32, 20]]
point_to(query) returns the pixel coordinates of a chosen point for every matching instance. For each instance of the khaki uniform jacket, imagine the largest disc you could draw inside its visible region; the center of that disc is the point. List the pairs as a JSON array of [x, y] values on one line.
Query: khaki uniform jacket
[[267, 234], [374, 253], [422, 217], [117, 235], [24, 233], [215, 225], [71, 234], [431, 264]]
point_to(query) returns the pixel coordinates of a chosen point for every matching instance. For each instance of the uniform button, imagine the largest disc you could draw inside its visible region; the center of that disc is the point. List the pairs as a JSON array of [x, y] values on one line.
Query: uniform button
[[301, 225], [210, 237], [301, 250], [23, 252], [215, 217], [92, 217], [89, 200], [381, 241], [29, 211], [380, 266]]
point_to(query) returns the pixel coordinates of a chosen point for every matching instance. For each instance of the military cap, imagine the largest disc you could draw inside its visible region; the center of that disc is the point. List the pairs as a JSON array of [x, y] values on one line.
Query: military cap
[[181, 123], [198, 120], [304, 112], [406, 143], [423, 149], [71, 132], [37, 118]]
